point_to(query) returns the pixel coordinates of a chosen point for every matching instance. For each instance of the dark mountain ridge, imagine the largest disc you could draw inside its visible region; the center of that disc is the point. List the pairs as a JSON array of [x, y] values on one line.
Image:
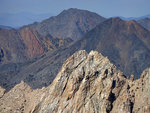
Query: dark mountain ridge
[[126, 44], [71, 23], [5, 27], [35, 41], [26, 43]]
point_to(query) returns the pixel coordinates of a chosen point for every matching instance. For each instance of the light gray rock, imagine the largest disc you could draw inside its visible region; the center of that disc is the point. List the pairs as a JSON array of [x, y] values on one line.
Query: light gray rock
[[86, 83]]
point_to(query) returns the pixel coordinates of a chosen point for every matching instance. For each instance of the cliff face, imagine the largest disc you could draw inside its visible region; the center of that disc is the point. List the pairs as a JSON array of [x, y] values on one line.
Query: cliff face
[[31, 39], [86, 83]]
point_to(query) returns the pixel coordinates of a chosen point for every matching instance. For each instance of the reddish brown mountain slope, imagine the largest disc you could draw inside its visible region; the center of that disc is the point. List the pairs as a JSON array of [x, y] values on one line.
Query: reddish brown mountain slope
[[26, 43], [31, 39], [12, 47]]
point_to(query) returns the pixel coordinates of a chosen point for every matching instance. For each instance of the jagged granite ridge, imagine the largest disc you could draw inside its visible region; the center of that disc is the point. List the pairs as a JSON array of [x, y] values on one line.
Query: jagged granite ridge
[[86, 83]]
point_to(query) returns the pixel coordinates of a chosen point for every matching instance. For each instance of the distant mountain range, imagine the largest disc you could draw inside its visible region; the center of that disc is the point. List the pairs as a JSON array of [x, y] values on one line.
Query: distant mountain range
[[44, 46], [55, 32], [87, 81], [16, 20], [5, 27], [30, 42], [19, 19], [135, 18]]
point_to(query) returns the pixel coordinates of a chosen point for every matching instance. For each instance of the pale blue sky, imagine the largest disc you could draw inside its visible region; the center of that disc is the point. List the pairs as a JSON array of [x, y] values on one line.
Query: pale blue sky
[[107, 8]]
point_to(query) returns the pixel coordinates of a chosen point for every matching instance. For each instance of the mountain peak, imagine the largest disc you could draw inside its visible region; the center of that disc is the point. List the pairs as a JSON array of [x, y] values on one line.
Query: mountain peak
[[86, 83], [83, 76], [72, 23], [90, 82], [72, 10], [119, 40], [76, 10], [116, 19]]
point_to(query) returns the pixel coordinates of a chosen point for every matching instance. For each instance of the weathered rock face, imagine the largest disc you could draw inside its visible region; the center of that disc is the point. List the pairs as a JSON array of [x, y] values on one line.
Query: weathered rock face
[[141, 91], [26, 43], [12, 49], [31, 39], [19, 46], [86, 83], [21, 99]]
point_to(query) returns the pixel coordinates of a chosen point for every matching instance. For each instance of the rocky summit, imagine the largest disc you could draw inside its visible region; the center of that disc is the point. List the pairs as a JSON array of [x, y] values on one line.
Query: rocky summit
[[86, 83]]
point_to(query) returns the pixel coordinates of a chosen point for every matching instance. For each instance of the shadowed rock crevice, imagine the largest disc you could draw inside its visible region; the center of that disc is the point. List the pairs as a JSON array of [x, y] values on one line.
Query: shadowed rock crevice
[[111, 99]]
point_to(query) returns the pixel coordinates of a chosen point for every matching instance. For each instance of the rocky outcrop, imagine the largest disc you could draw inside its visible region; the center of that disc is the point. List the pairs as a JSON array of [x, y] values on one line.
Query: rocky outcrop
[[86, 83], [21, 99]]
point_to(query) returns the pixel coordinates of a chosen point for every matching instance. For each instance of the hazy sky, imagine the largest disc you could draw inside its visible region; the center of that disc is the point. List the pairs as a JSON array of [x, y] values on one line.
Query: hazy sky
[[107, 8]]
